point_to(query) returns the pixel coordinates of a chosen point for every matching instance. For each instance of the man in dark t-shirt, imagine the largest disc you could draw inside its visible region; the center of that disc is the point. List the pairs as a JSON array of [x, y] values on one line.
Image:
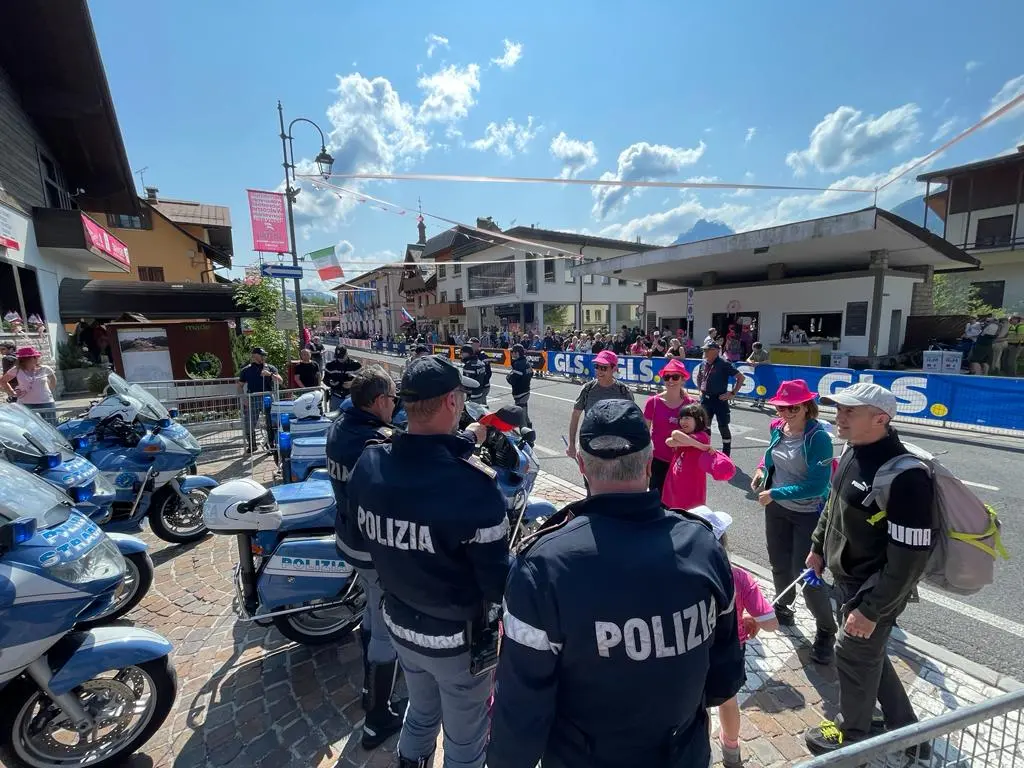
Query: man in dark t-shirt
[[712, 379], [255, 379], [307, 373], [604, 387]]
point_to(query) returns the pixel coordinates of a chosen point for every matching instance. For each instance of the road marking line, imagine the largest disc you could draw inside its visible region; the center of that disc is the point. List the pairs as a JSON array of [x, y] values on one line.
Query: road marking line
[[547, 451], [535, 393], [757, 439], [980, 485], [970, 611]]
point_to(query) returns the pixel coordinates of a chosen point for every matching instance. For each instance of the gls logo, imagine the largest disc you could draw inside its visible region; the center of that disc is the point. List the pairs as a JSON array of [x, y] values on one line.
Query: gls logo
[[906, 389], [638, 370]]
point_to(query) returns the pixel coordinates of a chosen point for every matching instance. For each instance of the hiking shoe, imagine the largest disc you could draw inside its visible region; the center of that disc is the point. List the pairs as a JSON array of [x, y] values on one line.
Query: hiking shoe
[[731, 757], [922, 752], [785, 617], [823, 649], [827, 737]]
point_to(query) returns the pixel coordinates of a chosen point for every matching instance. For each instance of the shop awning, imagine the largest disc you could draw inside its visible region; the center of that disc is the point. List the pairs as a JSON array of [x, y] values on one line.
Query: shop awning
[[77, 239], [109, 299], [842, 243]]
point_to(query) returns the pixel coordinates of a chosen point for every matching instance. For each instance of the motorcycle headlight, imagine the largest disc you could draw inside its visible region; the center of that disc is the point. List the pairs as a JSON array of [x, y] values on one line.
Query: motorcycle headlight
[[103, 561]]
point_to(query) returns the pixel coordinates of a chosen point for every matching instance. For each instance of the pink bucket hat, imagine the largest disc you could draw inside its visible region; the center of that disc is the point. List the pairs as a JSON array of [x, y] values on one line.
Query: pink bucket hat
[[606, 357], [26, 352], [675, 366], [792, 392]]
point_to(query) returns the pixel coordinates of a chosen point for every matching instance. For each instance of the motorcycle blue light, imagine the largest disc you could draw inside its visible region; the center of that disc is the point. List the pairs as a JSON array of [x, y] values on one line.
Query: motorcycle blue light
[[52, 460], [284, 441], [165, 423], [267, 400], [286, 420], [173, 413], [22, 529], [79, 444], [82, 493]]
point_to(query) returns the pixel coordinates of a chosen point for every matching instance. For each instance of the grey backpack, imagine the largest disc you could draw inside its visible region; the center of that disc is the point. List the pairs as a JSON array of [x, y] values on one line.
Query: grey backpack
[[964, 556]]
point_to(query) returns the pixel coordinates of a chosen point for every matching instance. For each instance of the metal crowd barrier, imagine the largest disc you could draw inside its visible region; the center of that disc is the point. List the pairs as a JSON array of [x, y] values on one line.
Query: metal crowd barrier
[[978, 736]]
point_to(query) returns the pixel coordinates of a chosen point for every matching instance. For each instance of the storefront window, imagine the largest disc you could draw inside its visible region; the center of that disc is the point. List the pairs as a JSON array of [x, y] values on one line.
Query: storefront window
[[817, 325]]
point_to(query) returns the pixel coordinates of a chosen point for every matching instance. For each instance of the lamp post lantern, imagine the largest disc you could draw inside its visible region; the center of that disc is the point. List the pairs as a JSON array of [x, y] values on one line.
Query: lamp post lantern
[[324, 163]]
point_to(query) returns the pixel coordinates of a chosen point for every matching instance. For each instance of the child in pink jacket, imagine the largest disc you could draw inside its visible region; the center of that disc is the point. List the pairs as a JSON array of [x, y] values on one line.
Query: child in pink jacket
[[686, 485]]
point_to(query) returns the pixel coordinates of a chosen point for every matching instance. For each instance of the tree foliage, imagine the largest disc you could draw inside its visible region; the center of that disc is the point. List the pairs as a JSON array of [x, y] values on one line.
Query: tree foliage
[[955, 295], [261, 295]]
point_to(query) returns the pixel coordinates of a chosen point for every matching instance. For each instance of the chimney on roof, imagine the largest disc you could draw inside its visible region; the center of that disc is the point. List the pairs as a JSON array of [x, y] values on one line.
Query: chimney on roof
[[151, 194], [487, 224]]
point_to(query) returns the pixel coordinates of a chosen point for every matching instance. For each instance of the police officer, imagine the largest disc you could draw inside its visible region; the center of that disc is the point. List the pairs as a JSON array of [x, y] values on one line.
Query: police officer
[[373, 404], [256, 379], [477, 368], [338, 375], [519, 378], [712, 379], [441, 562], [619, 623]]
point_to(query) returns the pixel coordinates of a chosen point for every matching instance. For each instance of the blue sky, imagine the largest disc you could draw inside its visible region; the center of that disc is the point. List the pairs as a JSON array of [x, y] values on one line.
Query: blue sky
[[774, 93]]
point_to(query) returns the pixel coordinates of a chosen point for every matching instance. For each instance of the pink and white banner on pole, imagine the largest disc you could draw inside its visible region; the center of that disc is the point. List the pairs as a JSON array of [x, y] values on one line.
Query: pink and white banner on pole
[[269, 224]]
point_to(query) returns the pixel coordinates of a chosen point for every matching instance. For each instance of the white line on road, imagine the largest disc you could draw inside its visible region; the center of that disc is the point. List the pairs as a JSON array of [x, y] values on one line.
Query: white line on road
[[548, 452], [535, 393], [757, 439], [980, 485], [970, 611]]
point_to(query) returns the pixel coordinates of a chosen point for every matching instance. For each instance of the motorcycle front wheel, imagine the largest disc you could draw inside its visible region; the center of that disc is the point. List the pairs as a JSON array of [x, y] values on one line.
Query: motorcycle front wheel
[[172, 520], [138, 578], [128, 706], [319, 626]]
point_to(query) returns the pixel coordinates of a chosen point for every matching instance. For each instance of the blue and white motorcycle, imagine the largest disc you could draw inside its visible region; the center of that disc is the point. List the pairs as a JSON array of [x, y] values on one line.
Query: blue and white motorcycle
[[146, 455], [72, 699], [31, 443]]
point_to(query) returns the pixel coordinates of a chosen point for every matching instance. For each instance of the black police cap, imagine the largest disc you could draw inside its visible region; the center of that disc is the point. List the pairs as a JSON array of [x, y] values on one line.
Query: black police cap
[[615, 418], [432, 376], [259, 351], [420, 349]]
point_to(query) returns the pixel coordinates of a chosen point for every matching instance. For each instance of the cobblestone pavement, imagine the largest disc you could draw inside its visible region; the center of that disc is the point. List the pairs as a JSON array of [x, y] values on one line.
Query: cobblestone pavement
[[248, 697]]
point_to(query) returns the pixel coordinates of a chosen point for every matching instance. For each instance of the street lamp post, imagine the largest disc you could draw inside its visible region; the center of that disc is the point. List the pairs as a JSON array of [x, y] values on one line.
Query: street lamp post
[[324, 164]]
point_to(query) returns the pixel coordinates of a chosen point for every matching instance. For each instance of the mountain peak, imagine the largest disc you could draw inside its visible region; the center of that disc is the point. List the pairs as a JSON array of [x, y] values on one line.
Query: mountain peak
[[704, 229]]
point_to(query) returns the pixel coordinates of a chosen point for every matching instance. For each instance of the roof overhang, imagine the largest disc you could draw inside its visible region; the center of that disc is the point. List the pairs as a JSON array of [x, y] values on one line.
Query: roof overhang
[[78, 240], [50, 53], [110, 299], [842, 243]]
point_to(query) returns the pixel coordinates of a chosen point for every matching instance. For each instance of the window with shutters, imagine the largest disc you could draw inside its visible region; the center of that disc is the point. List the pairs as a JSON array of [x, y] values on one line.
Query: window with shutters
[[151, 274]]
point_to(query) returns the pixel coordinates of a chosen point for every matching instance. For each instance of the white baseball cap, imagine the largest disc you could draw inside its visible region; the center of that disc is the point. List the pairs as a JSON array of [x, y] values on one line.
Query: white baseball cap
[[863, 393], [719, 520]]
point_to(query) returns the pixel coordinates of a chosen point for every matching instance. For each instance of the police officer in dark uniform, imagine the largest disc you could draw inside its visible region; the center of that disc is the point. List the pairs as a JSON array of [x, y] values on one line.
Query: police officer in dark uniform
[[338, 375], [254, 381], [373, 404], [620, 628], [712, 379], [477, 368], [441, 561]]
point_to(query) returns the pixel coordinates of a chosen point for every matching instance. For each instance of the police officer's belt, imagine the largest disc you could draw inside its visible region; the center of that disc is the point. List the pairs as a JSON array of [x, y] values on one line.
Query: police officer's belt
[[669, 750]]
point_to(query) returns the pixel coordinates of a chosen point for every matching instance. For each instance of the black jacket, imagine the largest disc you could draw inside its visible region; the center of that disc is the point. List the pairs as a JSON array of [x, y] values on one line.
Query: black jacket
[[520, 376], [440, 559], [338, 372], [477, 368], [865, 547], [346, 439], [620, 631]]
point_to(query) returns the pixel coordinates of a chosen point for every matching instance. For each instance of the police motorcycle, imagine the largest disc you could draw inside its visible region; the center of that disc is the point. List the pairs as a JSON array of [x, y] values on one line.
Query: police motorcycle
[[32, 444], [72, 698], [135, 443]]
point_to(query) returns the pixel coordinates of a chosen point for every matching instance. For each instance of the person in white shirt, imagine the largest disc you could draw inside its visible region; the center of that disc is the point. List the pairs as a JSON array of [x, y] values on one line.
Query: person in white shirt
[[972, 331], [797, 335]]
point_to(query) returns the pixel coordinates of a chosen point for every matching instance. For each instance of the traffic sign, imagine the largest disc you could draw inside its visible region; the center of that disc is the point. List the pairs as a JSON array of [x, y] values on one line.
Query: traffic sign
[[689, 303], [283, 271]]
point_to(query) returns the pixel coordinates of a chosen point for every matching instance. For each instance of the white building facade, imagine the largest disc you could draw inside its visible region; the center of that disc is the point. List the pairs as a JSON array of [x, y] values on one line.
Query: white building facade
[[372, 303]]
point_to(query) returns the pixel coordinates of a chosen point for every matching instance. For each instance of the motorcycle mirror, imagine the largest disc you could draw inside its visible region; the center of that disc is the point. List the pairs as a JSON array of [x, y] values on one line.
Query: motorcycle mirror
[[16, 532], [173, 413]]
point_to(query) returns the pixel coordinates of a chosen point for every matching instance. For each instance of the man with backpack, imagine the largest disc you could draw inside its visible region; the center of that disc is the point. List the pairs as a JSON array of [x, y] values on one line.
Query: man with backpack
[[876, 553]]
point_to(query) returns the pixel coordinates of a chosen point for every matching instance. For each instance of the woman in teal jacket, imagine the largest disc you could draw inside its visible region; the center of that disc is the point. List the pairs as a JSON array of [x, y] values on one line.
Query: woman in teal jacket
[[792, 483]]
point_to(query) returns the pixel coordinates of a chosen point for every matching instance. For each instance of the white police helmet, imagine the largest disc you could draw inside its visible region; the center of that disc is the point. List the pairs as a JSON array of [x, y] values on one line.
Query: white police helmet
[[307, 406], [115, 407]]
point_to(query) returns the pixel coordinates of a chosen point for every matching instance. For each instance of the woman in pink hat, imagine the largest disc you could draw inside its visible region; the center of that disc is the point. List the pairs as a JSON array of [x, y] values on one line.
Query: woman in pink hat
[[603, 387], [792, 484], [662, 414], [32, 383]]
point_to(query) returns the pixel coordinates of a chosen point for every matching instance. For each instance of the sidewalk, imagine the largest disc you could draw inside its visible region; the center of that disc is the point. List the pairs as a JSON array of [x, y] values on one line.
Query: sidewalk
[[249, 697]]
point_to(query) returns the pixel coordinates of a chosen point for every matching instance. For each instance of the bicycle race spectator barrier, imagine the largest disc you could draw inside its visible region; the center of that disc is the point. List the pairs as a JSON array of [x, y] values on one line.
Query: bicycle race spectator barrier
[[985, 734], [982, 403]]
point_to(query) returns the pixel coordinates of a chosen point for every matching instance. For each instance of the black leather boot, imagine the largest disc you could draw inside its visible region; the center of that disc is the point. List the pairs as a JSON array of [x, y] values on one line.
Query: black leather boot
[[423, 762], [364, 640], [382, 721]]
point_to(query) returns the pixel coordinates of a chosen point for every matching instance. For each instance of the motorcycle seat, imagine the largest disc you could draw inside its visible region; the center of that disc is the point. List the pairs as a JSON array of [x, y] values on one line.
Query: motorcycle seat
[[305, 506]]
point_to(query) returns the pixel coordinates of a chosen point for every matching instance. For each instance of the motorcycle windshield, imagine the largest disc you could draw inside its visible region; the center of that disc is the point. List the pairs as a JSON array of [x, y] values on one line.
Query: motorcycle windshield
[[23, 431], [22, 494], [150, 408]]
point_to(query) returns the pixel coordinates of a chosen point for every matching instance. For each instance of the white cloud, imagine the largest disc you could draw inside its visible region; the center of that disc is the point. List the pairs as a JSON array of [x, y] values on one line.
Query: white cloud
[[748, 178], [664, 227], [1011, 89], [751, 132], [513, 52], [371, 131], [434, 42], [945, 129], [641, 161], [846, 138], [575, 155], [703, 179], [507, 138], [970, 66], [449, 93]]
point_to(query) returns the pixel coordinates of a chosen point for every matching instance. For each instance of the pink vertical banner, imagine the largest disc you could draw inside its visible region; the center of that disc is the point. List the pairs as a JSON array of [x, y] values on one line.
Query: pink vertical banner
[[269, 224]]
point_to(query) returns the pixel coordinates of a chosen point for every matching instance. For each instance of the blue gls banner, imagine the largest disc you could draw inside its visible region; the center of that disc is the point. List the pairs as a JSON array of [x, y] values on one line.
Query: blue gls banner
[[982, 400]]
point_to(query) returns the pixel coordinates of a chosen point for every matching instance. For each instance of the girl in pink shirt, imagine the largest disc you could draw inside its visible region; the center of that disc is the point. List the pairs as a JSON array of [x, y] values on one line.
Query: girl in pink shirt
[[662, 415], [686, 485], [753, 613]]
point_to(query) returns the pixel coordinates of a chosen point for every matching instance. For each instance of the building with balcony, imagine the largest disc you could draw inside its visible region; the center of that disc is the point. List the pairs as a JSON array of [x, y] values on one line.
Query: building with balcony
[[173, 241], [62, 155], [532, 287], [980, 207]]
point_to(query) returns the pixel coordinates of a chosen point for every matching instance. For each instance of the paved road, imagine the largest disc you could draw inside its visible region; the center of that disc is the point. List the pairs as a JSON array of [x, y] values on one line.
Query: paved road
[[986, 628]]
